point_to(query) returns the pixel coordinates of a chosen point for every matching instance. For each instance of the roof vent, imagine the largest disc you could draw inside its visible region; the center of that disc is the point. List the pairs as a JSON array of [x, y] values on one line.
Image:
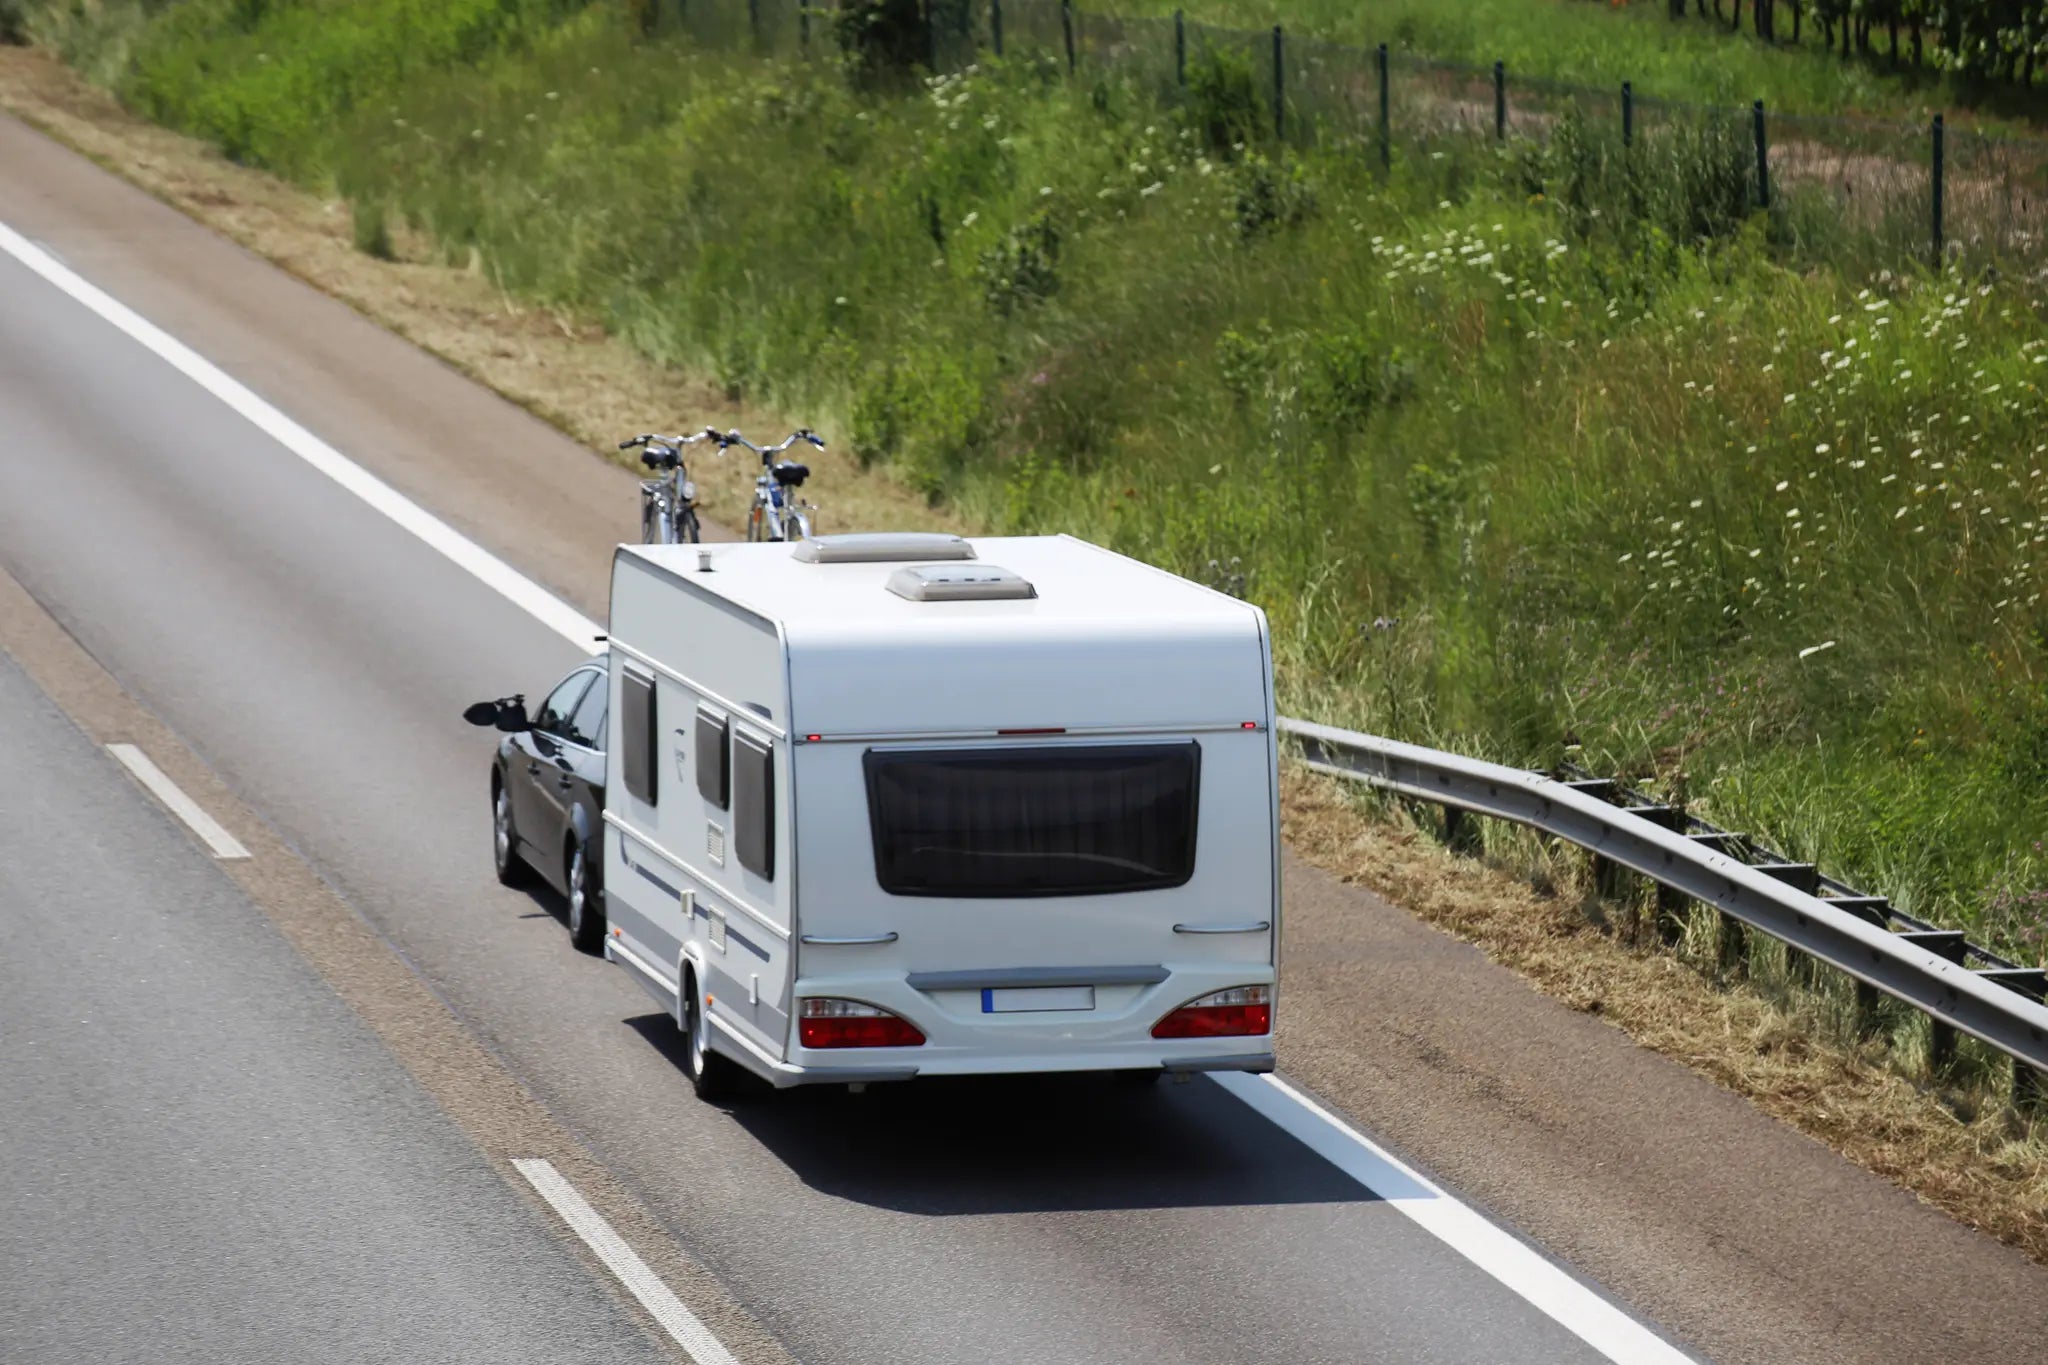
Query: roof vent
[[949, 583], [881, 547]]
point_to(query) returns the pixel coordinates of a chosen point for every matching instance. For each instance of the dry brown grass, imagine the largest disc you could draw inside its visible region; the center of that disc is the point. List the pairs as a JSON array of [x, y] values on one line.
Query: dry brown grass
[[564, 369], [1984, 1170], [1950, 1145]]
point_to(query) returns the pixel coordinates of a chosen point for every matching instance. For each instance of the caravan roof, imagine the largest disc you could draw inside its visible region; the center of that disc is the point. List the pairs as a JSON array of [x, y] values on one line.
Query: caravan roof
[[1097, 636]]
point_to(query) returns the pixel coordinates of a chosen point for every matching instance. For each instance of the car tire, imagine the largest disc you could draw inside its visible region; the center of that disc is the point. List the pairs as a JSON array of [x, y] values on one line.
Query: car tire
[[712, 1075], [512, 869], [586, 898]]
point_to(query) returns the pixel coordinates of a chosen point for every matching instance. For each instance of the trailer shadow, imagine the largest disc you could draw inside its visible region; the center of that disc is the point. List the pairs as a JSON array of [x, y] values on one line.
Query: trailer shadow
[[1030, 1144]]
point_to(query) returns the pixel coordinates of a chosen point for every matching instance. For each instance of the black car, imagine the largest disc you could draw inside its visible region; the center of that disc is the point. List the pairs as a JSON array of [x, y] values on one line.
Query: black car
[[547, 794]]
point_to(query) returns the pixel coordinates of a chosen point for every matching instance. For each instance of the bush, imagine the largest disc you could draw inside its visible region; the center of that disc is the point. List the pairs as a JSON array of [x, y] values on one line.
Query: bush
[[372, 234], [1223, 101], [882, 38], [1023, 268]]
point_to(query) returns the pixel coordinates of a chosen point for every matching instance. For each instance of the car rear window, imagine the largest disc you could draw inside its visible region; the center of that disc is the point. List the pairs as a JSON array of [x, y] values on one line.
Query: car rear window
[[1043, 820]]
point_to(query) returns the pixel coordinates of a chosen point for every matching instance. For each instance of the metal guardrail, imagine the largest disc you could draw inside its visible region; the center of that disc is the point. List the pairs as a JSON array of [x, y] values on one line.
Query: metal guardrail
[[1927, 968]]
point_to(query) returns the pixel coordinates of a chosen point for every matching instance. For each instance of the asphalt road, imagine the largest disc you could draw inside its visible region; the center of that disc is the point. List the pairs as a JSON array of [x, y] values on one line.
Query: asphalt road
[[208, 1156], [318, 654]]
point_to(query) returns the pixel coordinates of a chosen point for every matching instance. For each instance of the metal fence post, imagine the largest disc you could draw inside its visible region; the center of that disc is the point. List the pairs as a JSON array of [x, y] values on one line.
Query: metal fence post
[[1939, 138], [1386, 143], [803, 26], [1763, 161], [995, 25], [1628, 114], [754, 22], [1279, 85], [1500, 102], [1180, 48], [1067, 31]]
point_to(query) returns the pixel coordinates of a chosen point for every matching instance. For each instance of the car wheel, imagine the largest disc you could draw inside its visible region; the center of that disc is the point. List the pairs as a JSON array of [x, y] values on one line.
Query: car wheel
[[512, 869], [586, 919], [712, 1075]]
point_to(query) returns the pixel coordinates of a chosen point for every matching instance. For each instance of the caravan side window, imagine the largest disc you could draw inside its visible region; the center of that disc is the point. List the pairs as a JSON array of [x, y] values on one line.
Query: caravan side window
[[714, 765], [636, 734], [753, 803]]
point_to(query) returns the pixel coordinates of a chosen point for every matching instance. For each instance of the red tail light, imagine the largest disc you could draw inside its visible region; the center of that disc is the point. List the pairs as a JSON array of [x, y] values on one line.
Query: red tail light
[[1236, 1012], [823, 1021]]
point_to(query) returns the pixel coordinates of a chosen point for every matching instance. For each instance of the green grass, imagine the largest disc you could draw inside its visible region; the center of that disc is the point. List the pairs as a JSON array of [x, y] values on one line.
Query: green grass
[[1520, 448]]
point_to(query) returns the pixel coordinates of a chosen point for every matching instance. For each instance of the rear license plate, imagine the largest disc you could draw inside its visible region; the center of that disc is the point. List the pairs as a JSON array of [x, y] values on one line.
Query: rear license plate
[[1025, 999]]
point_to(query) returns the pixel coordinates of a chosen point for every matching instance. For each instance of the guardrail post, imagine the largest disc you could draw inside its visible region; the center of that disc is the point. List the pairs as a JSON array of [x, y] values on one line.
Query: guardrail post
[[1386, 135], [1763, 158], [1461, 832], [1733, 946], [995, 25], [1067, 31], [1939, 139], [1500, 102], [1628, 114]]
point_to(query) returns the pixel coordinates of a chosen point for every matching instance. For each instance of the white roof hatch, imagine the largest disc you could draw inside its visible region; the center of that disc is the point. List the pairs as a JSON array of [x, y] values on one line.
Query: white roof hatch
[[959, 583]]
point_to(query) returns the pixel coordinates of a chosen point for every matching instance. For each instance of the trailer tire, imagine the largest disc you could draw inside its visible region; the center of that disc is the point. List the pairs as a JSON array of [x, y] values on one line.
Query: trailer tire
[[712, 1075]]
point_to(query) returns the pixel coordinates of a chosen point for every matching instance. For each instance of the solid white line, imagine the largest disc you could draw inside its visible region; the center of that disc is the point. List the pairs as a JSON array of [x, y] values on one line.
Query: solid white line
[[1521, 1269], [556, 614], [660, 1302], [223, 844], [1580, 1310]]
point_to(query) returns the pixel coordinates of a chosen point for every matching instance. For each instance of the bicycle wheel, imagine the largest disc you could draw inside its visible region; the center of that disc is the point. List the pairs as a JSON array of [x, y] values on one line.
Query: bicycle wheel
[[687, 531], [796, 525], [757, 524], [651, 520]]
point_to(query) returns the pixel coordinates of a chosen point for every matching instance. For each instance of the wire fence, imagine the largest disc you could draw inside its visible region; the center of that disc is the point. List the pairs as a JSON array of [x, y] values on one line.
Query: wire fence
[[1871, 189]]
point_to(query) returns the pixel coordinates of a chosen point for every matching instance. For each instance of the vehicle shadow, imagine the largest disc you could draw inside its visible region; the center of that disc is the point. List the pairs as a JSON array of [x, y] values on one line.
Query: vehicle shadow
[[1028, 1144]]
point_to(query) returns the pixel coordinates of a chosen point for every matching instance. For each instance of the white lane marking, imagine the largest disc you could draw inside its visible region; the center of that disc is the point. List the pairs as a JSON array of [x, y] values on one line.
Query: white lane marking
[[1500, 1255], [223, 844], [1579, 1309], [556, 614], [658, 1299]]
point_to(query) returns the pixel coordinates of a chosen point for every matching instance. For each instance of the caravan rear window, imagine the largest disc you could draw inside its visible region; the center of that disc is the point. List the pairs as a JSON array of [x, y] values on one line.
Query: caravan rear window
[[1047, 820]]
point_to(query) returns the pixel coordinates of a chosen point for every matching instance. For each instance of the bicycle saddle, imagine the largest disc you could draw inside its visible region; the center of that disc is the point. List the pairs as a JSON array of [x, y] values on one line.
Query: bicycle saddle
[[789, 473]]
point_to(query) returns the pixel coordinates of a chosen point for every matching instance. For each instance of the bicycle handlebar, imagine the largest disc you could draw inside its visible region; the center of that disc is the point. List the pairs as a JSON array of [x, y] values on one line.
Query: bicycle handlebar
[[733, 438], [708, 434]]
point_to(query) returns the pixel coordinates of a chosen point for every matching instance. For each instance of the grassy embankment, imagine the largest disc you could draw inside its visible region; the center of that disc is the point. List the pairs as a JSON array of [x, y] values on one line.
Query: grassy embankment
[[1518, 448]]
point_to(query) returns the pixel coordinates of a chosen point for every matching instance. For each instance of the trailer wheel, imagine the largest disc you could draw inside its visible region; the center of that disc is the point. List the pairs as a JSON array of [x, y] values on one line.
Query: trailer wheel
[[512, 869], [711, 1074]]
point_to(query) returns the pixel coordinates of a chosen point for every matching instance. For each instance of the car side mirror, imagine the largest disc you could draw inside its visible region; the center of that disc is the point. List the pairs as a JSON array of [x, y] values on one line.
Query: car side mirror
[[507, 714]]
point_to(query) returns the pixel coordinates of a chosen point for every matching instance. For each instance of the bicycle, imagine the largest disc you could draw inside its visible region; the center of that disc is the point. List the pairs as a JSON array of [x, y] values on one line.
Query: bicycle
[[776, 513], [668, 501]]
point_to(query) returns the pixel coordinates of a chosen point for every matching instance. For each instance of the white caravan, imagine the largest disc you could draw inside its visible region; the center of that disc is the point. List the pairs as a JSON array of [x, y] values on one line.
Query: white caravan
[[884, 806]]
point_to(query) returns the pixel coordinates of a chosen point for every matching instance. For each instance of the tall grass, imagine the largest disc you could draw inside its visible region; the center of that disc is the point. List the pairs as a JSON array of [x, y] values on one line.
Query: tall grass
[[1526, 450]]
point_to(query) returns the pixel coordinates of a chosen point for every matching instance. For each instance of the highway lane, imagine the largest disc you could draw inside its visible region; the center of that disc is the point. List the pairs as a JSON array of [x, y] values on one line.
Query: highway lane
[[318, 656], [208, 1156]]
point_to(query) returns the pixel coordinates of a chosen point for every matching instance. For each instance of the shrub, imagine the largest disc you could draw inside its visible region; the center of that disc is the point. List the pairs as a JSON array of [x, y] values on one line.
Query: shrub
[[1223, 101], [1023, 268]]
